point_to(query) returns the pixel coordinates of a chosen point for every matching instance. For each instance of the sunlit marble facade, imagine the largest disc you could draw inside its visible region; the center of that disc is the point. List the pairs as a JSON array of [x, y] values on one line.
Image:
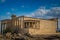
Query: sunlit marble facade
[[33, 26]]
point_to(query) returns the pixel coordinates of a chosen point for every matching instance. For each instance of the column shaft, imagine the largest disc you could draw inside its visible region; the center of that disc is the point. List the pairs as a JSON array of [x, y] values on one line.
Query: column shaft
[[29, 24], [26, 25]]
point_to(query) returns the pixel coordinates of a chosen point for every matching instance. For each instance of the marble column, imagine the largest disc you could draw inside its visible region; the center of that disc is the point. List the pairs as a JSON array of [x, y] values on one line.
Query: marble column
[[26, 25], [5, 26], [29, 24], [32, 25], [35, 24]]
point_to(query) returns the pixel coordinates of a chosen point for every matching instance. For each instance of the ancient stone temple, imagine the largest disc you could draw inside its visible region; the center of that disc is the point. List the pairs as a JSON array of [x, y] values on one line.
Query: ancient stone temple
[[33, 26]]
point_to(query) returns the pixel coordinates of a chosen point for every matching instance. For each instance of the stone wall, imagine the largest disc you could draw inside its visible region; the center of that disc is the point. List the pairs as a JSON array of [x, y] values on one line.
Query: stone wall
[[46, 26]]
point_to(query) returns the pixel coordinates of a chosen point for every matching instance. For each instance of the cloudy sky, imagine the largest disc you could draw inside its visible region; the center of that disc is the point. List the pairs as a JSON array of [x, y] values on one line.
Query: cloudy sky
[[33, 8]]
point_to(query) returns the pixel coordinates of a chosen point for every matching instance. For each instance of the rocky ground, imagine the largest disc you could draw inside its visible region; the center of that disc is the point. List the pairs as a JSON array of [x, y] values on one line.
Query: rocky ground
[[19, 36]]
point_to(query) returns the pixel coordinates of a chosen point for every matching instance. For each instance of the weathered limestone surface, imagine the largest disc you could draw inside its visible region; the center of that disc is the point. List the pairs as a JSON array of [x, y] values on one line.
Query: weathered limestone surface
[[33, 26], [45, 27]]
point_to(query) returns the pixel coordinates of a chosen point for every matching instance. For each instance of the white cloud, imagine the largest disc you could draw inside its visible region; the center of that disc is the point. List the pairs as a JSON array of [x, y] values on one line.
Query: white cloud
[[46, 13], [3, 1], [55, 12], [32, 14], [55, 9], [28, 15], [39, 12]]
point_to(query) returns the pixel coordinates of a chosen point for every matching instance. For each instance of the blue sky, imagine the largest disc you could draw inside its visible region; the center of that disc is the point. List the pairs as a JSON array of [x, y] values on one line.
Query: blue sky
[[26, 7], [33, 8]]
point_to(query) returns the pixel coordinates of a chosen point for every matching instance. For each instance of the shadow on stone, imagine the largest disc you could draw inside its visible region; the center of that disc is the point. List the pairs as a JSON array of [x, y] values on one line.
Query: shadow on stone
[[19, 39]]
